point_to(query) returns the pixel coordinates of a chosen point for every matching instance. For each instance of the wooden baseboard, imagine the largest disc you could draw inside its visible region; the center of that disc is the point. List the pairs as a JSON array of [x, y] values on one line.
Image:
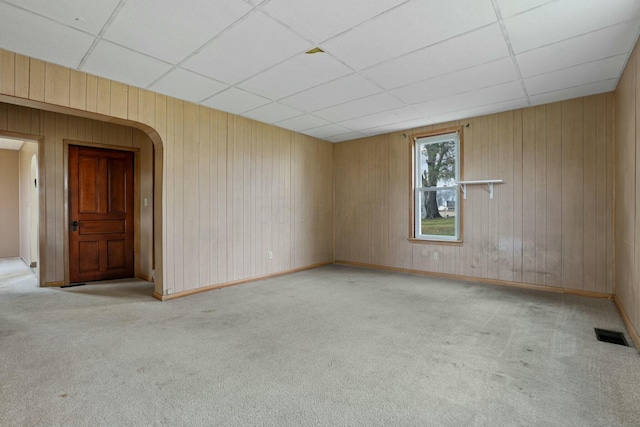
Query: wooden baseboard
[[553, 289], [53, 284], [234, 283], [630, 328]]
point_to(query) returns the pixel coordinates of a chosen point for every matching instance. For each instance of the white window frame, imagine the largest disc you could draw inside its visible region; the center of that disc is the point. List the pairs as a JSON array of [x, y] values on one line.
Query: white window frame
[[419, 141]]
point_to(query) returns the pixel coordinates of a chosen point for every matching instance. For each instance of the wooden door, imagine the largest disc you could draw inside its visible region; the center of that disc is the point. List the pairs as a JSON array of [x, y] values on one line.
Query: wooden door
[[101, 242]]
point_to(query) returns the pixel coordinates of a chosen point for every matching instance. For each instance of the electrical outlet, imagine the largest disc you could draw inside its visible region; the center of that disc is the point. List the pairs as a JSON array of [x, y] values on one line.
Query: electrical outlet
[[270, 254], [435, 256], [169, 291]]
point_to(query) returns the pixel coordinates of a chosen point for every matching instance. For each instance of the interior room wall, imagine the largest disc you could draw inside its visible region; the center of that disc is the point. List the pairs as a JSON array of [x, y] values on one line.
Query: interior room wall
[[57, 128], [233, 190], [627, 207], [9, 202], [26, 153], [549, 224]]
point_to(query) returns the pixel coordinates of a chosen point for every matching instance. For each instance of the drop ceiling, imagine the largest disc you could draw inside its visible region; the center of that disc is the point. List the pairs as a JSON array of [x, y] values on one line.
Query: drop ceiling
[[387, 64]]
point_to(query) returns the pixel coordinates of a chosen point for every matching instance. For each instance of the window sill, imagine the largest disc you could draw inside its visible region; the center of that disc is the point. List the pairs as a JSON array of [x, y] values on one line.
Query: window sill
[[436, 242]]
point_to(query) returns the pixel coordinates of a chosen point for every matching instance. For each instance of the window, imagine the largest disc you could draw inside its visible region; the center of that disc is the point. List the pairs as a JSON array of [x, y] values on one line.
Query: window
[[436, 195]]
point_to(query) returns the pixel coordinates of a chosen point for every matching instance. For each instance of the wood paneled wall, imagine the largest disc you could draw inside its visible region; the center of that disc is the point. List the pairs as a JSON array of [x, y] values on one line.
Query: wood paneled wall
[[9, 200], [549, 224], [232, 189], [627, 186], [54, 129]]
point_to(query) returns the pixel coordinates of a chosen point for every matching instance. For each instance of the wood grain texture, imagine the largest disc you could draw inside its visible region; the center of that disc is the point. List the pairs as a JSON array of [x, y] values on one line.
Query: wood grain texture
[[229, 189], [54, 129], [534, 230], [627, 184]]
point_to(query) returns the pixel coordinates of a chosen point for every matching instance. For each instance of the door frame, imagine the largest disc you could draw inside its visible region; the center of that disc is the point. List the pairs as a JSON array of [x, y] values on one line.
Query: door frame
[[136, 201], [41, 262]]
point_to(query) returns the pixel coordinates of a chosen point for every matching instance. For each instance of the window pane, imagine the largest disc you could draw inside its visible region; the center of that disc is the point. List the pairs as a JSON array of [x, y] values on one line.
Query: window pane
[[437, 164], [438, 212]]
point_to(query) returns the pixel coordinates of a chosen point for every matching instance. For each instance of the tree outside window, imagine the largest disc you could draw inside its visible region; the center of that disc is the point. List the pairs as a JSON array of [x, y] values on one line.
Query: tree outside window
[[436, 194]]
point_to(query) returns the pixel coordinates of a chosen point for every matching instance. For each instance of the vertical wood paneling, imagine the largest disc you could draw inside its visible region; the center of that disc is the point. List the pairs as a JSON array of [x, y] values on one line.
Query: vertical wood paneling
[[57, 85], [191, 193], [22, 76], [554, 187], [179, 210], [78, 90], [36, 79], [526, 234], [572, 183], [627, 185], [7, 72], [590, 199], [504, 200], [529, 179], [541, 195], [203, 230]]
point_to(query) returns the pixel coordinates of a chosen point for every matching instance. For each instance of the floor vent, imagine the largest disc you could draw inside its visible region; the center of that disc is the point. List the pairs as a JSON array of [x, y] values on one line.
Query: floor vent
[[612, 337]]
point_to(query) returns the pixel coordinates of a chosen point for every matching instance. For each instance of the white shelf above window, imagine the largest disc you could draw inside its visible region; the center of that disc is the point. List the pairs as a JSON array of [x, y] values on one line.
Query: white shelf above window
[[488, 182]]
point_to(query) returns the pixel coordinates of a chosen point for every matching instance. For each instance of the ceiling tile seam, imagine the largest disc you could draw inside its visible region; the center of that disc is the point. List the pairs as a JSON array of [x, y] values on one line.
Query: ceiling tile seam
[[304, 114], [98, 37], [462, 93], [576, 86], [481, 106], [395, 58], [582, 64], [505, 34], [379, 112], [237, 88], [205, 45], [621, 23], [332, 123], [449, 73], [628, 54], [522, 12], [348, 30], [48, 18]]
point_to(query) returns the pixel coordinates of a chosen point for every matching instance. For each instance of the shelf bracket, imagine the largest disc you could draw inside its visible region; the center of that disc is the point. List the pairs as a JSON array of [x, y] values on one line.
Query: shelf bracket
[[488, 182]]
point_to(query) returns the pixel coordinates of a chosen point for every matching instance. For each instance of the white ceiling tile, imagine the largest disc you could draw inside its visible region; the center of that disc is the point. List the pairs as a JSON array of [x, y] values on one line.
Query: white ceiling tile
[[34, 36], [491, 95], [605, 43], [235, 101], [497, 107], [400, 126], [360, 107], [345, 137], [327, 131], [401, 114], [510, 7], [574, 92], [294, 75], [336, 92], [592, 72], [272, 113], [416, 24], [320, 20], [122, 65], [480, 46], [560, 20], [171, 30], [301, 123], [89, 16], [183, 84], [254, 44], [490, 74]]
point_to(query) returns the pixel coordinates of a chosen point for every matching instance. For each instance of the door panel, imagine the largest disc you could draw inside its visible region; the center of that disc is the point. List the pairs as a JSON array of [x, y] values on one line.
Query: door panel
[[101, 244]]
